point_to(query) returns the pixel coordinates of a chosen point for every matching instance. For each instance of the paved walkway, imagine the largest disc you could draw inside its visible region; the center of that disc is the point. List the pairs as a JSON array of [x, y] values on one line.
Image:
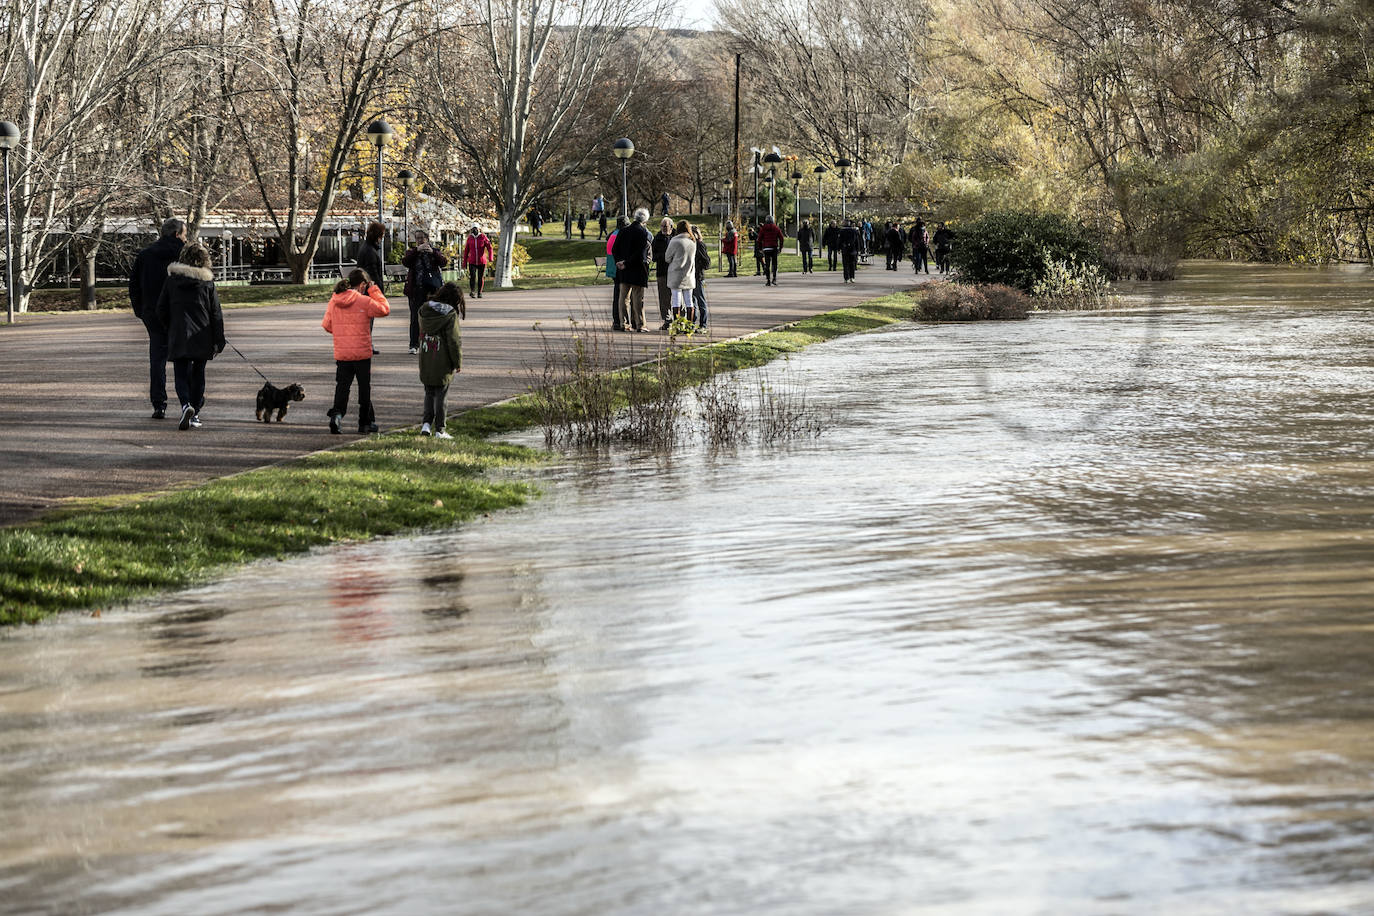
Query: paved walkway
[[73, 388]]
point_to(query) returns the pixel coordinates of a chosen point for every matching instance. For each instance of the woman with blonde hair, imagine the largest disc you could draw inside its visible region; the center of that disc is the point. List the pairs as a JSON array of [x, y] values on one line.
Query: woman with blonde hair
[[681, 258]]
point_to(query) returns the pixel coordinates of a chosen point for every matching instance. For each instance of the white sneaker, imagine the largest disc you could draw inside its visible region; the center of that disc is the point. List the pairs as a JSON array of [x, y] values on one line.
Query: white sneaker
[[442, 434], [195, 421], [414, 350], [424, 429], [187, 412]]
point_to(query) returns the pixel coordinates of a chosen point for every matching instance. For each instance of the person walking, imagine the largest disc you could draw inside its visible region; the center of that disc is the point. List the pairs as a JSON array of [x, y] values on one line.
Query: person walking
[[770, 244], [944, 247], [582, 226], [920, 246], [536, 220], [423, 278], [831, 240], [632, 252], [599, 214], [681, 259], [370, 259], [850, 244], [703, 264], [601, 225], [866, 236], [660, 248], [758, 255], [567, 225], [894, 246], [618, 320], [146, 279], [188, 307], [356, 300], [664, 201], [729, 246], [805, 236], [477, 254], [441, 354]]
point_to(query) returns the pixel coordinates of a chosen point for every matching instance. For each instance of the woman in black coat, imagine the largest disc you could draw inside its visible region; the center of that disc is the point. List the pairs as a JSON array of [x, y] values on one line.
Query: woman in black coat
[[189, 309]]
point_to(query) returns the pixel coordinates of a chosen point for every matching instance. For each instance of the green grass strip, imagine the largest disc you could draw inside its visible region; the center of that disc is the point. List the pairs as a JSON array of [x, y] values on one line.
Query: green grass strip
[[99, 552]]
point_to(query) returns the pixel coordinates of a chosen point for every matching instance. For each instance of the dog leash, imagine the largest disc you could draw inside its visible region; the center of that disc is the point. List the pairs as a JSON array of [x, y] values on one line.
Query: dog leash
[[250, 363]]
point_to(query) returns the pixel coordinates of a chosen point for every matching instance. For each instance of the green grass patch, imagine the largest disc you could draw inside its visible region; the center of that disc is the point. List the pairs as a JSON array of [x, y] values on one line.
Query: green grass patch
[[99, 552]]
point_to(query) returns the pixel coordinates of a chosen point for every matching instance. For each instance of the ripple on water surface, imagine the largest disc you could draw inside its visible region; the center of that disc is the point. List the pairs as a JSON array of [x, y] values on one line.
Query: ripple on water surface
[[1064, 616]]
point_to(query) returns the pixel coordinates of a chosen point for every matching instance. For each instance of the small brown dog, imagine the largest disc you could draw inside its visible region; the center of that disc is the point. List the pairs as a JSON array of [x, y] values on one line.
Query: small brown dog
[[272, 398]]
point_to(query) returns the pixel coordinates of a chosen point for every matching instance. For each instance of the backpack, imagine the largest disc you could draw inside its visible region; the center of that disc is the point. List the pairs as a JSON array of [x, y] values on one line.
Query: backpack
[[427, 276]]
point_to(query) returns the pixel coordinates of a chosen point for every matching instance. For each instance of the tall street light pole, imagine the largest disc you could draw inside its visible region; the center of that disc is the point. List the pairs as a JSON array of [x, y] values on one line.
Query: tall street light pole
[[9, 139], [729, 188], [819, 171], [843, 165], [754, 205], [772, 159], [623, 149], [407, 179], [796, 196]]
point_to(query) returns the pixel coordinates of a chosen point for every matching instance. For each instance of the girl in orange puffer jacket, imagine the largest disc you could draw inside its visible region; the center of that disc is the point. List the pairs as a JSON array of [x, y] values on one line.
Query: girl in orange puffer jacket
[[356, 301]]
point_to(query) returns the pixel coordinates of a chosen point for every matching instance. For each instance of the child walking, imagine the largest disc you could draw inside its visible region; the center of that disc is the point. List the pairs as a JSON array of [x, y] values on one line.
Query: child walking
[[441, 354], [356, 301]]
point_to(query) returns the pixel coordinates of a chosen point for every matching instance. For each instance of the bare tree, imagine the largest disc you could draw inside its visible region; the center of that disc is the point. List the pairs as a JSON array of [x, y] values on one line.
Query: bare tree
[[66, 63], [555, 80], [317, 78]]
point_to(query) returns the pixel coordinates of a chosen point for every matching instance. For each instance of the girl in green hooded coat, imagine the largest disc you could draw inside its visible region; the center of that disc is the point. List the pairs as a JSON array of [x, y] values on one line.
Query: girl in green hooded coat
[[441, 353]]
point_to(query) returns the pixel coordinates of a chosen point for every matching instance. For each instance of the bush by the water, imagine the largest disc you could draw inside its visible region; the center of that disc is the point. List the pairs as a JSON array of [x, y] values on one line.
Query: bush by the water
[[1071, 285], [959, 302], [1012, 247]]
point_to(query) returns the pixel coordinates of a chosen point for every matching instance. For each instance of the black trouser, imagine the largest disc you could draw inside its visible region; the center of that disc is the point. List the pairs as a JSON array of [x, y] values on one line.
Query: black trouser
[[434, 405], [770, 264], [734, 265], [806, 260], [833, 253], [941, 260], [758, 262], [189, 375], [415, 300], [345, 371], [665, 296], [851, 264], [919, 259], [477, 277], [157, 365]]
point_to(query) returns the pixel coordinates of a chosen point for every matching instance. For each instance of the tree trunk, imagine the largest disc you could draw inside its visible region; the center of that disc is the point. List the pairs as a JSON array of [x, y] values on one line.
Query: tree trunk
[[504, 248], [88, 299], [299, 264]]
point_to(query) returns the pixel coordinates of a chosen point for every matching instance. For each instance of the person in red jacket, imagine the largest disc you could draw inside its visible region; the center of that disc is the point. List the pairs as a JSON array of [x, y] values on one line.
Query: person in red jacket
[[769, 245], [355, 302], [477, 254], [729, 246]]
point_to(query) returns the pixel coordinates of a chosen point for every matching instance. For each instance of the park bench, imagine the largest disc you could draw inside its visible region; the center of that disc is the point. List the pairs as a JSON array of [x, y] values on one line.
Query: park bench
[[600, 266]]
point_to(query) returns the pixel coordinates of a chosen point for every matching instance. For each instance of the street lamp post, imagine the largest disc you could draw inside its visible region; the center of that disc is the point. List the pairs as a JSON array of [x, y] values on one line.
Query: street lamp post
[[623, 149], [796, 196], [819, 171], [382, 135], [843, 165], [9, 139], [754, 205], [729, 187], [228, 236], [407, 179], [772, 159]]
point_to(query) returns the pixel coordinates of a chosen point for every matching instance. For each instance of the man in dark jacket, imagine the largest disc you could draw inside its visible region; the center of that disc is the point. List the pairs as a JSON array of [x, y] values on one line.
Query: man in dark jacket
[[944, 246], [850, 243], [660, 250], [425, 265], [145, 285], [894, 246], [805, 236], [632, 251], [831, 240]]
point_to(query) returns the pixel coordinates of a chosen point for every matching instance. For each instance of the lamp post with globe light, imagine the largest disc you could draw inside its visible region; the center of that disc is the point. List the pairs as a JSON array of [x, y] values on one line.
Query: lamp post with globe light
[[9, 139], [843, 165], [623, 149], [407, 179]]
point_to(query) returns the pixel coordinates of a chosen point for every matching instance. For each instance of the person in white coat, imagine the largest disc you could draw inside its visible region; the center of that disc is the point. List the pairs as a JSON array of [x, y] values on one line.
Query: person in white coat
[[681, 259]]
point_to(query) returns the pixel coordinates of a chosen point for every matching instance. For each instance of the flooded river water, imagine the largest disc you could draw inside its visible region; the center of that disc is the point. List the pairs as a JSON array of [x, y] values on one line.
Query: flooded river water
[[1067, 616]]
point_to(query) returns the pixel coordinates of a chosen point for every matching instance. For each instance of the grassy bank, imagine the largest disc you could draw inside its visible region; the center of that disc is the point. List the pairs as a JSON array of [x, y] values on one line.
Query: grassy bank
[[100, 552]]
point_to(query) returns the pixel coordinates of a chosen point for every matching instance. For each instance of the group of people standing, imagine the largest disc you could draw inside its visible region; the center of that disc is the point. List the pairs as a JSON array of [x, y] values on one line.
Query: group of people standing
[[680, 257], [897, 239]]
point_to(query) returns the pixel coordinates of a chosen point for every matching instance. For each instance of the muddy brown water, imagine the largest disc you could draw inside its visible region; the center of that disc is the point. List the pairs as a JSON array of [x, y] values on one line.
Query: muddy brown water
[[1071, 616]]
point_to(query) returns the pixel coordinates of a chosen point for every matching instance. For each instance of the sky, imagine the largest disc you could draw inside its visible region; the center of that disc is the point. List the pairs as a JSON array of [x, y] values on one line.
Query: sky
[[697, 14]]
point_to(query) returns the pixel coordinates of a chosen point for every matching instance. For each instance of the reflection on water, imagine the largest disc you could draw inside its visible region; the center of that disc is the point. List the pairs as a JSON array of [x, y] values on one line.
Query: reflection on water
[[1062, 617]]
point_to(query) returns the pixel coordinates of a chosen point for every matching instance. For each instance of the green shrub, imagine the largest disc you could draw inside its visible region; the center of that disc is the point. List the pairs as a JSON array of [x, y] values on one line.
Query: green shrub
[[960, 302], [1011, 247]]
